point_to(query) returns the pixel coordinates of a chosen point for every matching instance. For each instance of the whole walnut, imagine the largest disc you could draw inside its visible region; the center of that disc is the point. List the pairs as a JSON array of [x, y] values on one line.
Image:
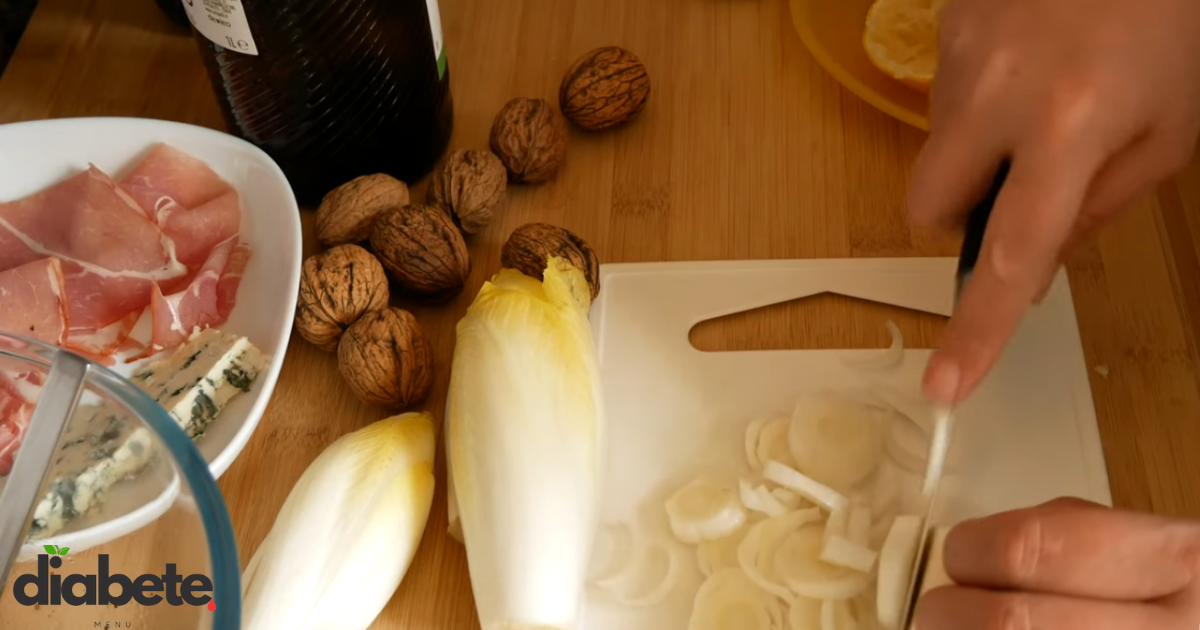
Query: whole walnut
[[422, 250], [471, 186], [349, 211], [530, 246], [530, 138], [336, 288], [604, 88], [385, 359]]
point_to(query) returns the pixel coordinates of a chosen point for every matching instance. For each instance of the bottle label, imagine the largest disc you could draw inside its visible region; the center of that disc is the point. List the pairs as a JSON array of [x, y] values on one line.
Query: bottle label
[[223, 22], [435, 25]]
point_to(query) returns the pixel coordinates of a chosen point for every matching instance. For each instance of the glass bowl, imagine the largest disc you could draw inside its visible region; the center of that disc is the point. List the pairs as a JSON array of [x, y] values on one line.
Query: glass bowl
[[127, 499], [832, 30]]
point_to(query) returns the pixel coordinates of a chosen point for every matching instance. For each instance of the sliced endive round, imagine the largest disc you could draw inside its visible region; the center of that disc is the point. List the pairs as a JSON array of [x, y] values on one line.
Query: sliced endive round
[[714, 555], [704, 510], [648, 578], [837, 615], [895, 564], [759, 547], [773, 442], [753, 430], [759, 499], [835, 441], [907, 444], [347, 531], [787, 498], [730, 599], [612, 551], [798, 563], [805, 614], [881, 360]]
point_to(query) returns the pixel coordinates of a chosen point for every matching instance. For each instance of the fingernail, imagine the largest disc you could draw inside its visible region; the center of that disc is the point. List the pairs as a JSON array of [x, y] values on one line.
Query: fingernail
[[941, 384]]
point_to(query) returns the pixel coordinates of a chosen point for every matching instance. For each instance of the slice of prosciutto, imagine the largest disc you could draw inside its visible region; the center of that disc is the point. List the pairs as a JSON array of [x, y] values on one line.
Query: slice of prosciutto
[[168, 179], [231, 279], [109, 251], [99, 345], [175, 316], [165, 237], [32, 302], [18, 395], [197, 231], [187, 200]]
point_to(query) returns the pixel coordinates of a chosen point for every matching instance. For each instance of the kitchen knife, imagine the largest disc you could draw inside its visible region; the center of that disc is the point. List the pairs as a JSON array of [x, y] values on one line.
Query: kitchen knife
[[977, 222], [939, 443]]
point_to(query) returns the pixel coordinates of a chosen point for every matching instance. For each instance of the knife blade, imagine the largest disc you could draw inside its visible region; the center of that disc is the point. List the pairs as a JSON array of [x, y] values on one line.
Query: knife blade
[[939, 443]]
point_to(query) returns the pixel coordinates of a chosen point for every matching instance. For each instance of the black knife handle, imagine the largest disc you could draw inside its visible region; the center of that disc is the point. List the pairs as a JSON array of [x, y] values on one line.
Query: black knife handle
[[977, 222]]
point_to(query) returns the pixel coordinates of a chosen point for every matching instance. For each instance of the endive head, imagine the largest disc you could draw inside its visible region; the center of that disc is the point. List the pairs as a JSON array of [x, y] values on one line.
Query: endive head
[[518, 324], [525, 443], [347, 531], [562, 286]]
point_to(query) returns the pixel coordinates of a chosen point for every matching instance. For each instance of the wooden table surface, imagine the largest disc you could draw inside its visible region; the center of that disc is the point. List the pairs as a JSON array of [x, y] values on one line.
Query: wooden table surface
[[747, 150]]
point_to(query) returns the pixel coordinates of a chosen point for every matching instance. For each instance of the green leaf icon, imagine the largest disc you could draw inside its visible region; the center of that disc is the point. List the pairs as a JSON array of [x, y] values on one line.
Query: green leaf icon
[[51, 549], [62, 551]]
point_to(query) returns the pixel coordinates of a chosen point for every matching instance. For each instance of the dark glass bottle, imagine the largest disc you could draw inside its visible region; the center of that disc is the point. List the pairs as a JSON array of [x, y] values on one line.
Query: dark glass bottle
[[174, 10], [331, 89]]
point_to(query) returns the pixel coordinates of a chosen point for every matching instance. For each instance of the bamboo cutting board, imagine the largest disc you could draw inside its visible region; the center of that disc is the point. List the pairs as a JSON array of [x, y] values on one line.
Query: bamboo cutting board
[[1028, 434]]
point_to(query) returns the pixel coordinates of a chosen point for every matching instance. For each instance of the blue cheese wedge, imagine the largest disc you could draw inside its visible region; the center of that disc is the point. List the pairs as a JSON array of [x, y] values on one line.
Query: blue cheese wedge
[[103, 445], [201, 376]]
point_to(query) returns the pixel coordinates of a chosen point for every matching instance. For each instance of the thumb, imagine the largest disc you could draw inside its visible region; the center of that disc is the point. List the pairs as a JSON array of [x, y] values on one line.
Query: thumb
[[1077, 549]]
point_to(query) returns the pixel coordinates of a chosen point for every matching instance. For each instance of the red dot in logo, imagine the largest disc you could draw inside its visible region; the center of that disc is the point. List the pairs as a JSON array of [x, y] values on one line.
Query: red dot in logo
[[212, 605]]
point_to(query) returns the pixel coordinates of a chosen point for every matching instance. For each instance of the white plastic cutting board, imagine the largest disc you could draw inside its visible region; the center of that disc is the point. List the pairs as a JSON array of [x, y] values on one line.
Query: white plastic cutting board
[[1027, 435]]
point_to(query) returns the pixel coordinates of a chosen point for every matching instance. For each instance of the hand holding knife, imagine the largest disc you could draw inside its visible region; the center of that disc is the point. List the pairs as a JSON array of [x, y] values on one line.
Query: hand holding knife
[[939, 443]]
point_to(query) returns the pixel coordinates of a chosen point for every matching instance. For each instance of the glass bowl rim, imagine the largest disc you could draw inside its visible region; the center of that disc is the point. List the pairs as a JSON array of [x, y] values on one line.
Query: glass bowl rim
[[218, 529]]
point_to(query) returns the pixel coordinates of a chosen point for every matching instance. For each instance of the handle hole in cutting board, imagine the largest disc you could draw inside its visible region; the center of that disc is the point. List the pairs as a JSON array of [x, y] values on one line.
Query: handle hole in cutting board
[[823, 321]]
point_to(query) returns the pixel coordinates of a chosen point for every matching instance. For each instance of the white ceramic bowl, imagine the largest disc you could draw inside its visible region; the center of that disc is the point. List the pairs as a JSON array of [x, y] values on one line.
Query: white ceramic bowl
[[37, 154]]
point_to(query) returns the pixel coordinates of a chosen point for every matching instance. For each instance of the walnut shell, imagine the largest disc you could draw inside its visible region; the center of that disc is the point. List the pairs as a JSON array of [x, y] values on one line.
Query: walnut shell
[[530, 246], [385, 359], [336, 288], [422, 250], [604, 88], [530, 138], [471, 186], [349, 211]]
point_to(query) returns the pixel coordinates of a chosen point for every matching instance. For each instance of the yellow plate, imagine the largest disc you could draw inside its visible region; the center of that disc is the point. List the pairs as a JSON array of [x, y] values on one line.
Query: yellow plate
[[832, 30]]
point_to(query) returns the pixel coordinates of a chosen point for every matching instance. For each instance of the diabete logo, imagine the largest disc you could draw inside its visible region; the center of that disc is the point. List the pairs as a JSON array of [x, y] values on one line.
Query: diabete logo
[[45, 589]]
